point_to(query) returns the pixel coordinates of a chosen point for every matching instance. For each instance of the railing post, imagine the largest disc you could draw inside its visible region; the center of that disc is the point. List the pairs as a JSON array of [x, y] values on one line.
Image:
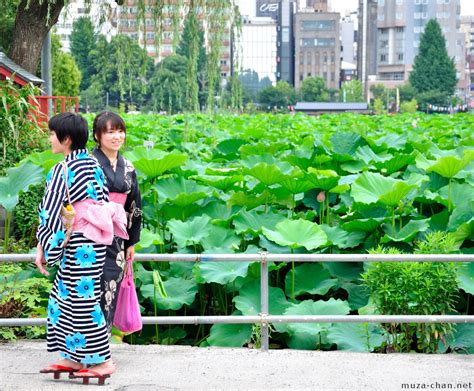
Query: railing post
[[264, 299]]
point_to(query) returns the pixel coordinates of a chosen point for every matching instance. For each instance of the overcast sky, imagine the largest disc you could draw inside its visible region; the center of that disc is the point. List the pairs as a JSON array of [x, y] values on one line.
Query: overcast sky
[[467, 6]]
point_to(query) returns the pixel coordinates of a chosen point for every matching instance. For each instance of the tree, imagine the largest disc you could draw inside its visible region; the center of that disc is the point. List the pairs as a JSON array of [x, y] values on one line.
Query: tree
[[352, 91], [280, 96], [433, 70], [83, 41], [168, 84], [65, 74], [7, 21], [313, 89], [378, 91]]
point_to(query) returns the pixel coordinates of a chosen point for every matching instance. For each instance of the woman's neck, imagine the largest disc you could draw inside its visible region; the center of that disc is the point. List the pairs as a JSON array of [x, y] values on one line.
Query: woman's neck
[[111, 155]]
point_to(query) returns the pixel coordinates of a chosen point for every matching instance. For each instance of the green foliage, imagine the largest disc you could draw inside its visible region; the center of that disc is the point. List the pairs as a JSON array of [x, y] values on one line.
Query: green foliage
[[313, 89], [352, 91], [23, 293], [168, 84], [378, 91], [378, 106], [277, 97], [20, 133], [7, 21], [433, 69], [65, 73], [83, 41], [252, 84], [421, 288], [26, 213], [409, 107]]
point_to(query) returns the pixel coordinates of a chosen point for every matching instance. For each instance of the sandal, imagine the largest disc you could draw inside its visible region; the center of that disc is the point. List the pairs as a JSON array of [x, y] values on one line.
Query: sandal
[[57, 369], [89, 374]]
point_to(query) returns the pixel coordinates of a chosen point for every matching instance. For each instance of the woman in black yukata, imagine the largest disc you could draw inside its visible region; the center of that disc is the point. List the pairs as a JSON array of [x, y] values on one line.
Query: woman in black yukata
[[109, 133]]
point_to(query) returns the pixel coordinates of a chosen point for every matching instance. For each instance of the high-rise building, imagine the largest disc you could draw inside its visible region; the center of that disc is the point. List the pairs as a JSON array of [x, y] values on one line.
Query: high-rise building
[[95, 10], [285, 42], [317, 47], [399, 25], [128, 24], [367, 41], [467, 27]]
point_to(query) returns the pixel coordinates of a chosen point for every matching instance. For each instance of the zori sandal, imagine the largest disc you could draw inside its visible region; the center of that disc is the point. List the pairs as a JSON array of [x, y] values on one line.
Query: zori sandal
[[57, 369], [86, 374]]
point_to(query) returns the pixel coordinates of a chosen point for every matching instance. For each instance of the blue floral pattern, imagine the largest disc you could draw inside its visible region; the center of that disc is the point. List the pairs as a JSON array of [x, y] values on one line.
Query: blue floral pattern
[[53, 311], [98, 316], [44, 216], [90, 359], [91, 191], [85, 256], [62, 290], [85, 287], [57, 239], [99, 176], [70, 177], [76, 341], [82, 155]]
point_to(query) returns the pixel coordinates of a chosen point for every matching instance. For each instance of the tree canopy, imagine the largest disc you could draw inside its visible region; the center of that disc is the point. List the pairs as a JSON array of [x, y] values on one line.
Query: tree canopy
[[83, 41], [433, 69], [65, 74], [313, 89]]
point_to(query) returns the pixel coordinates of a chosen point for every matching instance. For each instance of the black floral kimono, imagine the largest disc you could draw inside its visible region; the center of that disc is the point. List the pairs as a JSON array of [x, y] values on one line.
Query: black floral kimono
[[124, 181]]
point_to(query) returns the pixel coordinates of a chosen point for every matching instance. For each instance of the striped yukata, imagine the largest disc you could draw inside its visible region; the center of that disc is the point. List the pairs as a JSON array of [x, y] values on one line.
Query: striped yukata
[[76, 325]]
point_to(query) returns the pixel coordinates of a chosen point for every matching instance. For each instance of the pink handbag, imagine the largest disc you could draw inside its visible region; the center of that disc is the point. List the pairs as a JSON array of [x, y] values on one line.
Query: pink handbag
[[127, 315]]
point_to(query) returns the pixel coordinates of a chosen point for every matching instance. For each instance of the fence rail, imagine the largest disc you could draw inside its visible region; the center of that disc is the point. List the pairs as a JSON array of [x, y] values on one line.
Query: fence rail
[[264, 318]]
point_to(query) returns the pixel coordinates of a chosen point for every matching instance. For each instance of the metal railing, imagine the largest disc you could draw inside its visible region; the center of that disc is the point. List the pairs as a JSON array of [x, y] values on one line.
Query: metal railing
[[264, 318]]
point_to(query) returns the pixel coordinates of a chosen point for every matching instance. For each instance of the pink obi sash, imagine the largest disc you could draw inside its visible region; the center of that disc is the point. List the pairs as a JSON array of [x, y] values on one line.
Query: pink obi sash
[[119, 198], [99, 222]]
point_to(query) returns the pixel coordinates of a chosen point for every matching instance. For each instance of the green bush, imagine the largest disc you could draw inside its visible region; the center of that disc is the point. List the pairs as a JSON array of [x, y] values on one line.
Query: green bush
[[415, 288], [26, 214], [409, 107]]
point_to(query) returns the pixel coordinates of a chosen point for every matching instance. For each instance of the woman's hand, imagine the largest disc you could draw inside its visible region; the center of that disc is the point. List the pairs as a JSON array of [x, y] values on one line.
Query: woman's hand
[[130, 253], [40, 261]]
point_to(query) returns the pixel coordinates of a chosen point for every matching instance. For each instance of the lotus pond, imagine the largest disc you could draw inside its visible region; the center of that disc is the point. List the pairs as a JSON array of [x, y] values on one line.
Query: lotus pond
[[294, 184]]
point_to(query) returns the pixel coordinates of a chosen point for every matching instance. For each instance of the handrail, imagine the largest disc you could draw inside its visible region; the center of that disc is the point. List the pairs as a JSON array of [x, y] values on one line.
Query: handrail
[[264, 318]]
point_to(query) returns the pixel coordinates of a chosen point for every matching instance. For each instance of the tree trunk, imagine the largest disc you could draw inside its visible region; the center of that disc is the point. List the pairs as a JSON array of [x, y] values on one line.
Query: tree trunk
[[31, 27]]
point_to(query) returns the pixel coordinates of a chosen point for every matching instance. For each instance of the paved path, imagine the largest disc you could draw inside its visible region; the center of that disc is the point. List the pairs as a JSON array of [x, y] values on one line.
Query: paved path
[[157, 367]]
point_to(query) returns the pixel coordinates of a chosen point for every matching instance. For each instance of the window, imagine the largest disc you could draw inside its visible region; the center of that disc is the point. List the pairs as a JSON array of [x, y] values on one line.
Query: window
[[399, 15], [312, 42], [381, 2], [381, 17], [383, 58], [318, 25], [399, 29], [333, 76], [383, 31], [384, 43], [400, 56], [399, 2], [150, 35]]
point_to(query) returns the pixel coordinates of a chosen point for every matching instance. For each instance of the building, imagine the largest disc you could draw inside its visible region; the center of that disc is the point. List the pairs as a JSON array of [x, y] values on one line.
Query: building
[[285, 42], [399, 26], [467, 27], [128, 24], [367, 41], [348, 40], [257, 43], [94, 10], [317, 46]]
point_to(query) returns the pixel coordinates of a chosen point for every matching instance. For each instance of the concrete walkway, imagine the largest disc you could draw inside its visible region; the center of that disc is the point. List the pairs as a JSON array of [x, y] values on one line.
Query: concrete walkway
[[157, 367]]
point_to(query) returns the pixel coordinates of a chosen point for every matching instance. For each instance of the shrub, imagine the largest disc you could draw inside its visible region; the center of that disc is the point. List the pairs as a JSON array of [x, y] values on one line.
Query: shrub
[[409, 107], [26, 214], [415, 288]]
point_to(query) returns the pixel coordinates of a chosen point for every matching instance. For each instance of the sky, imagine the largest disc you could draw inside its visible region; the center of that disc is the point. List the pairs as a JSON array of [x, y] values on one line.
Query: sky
[[467, 6]]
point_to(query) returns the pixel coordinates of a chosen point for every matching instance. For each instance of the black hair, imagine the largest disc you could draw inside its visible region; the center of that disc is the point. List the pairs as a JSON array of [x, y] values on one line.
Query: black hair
[[70, 125], [104, 118]]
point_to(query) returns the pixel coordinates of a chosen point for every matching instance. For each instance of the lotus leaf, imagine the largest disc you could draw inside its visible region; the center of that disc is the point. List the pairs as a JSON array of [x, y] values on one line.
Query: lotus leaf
[[343, 239], [358, 294], [309, 307], [45, 159], [220, 272], [250, 201], [253, 222], [344, 271], [465, 231], [180, 191], [230, 335], [189, 232], [220, 238], [248, 300], [147, 238], [395, 163], [372, 187], [345, 145], [365, 225], [153, 163], [463, 338], [180, 292], [368, 156], [462, 214], [230, 147], [323, 179], [466, 277], [310, 278], [268, 174], [224, 183], [407, 233], [356, 337], [297, 233], [18, 179]]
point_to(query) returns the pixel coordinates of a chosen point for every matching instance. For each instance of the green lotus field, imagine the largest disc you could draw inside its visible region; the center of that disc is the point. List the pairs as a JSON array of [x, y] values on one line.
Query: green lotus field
[[298, 184]]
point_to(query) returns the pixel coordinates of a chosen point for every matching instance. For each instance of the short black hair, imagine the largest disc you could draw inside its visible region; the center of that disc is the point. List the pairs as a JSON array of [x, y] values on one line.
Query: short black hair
[[104, 118], [70, 125]]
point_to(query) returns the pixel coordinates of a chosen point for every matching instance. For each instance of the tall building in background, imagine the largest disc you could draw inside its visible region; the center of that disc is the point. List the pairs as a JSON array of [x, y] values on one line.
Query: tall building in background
[[367, 42], [285, 42], [93, 10], [399, 25], [128, 25], [467, 28], [317, 46], [258, 41]]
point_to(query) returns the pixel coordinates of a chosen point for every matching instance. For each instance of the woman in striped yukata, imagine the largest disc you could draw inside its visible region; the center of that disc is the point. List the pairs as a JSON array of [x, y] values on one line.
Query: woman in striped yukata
[[76, 326]]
